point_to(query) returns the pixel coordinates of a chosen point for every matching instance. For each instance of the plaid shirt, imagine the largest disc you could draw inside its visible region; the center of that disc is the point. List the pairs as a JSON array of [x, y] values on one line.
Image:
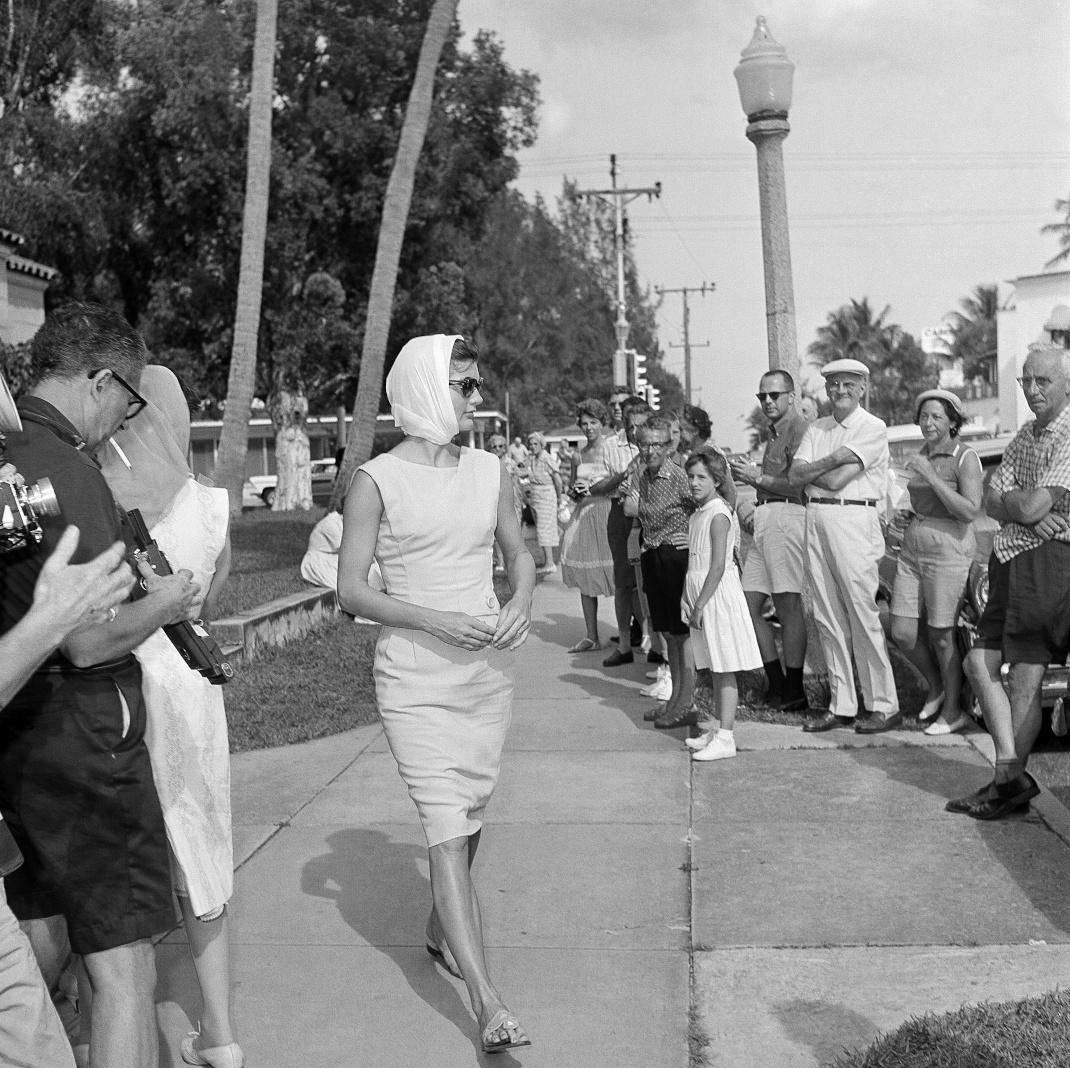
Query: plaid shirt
[[1036, 456], [665, 503]]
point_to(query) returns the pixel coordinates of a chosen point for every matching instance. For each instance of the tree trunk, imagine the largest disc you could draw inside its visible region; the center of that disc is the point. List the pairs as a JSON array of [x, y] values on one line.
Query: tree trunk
[[293, 463], [234, 439], [388, 251]]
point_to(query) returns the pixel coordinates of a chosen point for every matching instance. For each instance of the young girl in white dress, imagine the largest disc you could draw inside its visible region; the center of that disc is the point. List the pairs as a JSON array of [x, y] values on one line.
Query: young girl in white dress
[[722, 636]]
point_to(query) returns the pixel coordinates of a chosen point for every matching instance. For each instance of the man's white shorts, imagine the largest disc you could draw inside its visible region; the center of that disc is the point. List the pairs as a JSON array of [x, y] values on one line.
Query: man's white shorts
[[776, 562]]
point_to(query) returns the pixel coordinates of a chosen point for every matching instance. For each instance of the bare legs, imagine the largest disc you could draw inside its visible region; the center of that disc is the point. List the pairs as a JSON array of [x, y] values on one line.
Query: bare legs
[[1012, 719], [682, 669], [209, 943], [624, 607], [590, 616], [937, 660], [123, 981], [763, 629], [726, 696], [456, 915]]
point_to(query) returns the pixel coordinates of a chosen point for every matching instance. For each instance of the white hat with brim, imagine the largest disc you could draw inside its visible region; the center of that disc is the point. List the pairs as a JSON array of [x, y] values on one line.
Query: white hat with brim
[[941, 395], [845, 367]]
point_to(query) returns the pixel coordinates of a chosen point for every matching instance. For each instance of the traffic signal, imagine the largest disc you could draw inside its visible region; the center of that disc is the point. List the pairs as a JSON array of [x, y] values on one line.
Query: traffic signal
[[653, 397], [639, 382]]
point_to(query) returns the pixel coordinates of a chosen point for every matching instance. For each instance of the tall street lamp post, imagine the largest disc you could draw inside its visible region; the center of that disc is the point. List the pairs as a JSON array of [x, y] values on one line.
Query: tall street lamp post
[[764, 77]]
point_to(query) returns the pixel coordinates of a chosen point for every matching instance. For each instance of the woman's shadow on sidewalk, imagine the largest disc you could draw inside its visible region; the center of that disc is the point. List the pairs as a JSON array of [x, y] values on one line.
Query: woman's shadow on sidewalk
[[383, 892]]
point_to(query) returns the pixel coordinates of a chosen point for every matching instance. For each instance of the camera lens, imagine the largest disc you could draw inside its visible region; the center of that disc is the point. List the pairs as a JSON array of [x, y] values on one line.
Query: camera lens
[[41, 497]]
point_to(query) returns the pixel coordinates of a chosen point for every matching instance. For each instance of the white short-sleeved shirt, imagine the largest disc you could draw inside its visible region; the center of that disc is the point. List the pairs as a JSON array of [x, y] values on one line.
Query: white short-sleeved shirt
[[867, 437]]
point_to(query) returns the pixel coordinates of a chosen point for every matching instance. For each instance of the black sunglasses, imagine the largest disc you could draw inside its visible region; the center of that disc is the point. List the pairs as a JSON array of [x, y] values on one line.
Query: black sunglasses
[[775, 395], [136, 403], [468, 386]]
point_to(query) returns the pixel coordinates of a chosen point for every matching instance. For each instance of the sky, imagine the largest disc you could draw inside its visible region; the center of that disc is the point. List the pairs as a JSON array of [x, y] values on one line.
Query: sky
[[929, 142]]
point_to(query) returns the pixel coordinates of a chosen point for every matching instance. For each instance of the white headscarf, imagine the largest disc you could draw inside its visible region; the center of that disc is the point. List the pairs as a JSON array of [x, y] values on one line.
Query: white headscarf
[[418, 388], [155, 443]]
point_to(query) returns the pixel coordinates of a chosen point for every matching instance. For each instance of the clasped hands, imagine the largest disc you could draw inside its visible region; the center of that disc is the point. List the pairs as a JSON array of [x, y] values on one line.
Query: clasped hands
[[471, 632]]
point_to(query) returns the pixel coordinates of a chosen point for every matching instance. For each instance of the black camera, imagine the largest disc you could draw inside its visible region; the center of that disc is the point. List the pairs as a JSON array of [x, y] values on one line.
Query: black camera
[[21, 503]]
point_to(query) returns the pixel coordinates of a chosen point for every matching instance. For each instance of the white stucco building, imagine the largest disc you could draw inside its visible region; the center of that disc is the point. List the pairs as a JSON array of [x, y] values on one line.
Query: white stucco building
[[22, 290], [1030, 309]]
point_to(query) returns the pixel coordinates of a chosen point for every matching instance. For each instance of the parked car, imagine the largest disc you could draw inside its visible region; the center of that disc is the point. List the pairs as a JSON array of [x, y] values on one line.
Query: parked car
[[990, 452], [906, 439], [262, 487]]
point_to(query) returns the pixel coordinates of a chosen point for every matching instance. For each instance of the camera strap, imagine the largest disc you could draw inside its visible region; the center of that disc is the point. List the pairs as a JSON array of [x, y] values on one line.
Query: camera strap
[[58, 423]]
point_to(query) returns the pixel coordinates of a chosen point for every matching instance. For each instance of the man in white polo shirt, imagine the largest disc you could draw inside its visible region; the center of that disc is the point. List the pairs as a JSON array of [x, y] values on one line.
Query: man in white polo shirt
[[842, 462]]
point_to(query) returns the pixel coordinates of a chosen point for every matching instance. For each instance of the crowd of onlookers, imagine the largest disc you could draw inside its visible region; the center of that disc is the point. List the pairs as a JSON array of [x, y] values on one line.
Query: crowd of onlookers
[[644, 511]]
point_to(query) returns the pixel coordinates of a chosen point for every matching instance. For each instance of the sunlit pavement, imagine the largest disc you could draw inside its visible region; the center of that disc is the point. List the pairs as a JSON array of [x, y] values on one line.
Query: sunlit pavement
[[796, 899]]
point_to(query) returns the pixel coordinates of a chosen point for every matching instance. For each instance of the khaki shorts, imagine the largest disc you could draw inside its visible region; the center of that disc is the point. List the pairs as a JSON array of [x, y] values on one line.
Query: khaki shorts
[[933, 567], [776, 562]]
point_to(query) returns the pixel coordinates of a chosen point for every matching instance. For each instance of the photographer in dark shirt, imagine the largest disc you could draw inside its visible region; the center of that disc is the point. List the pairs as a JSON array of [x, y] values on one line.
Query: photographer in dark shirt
[[76, 787], [66, 597]]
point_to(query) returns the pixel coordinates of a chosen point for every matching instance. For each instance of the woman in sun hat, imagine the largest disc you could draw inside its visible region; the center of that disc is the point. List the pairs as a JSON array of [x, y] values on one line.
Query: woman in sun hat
[[930, 581]]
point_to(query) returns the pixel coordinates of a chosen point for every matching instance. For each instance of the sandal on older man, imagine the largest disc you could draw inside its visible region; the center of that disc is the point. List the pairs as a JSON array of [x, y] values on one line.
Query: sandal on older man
[[496, 1036]]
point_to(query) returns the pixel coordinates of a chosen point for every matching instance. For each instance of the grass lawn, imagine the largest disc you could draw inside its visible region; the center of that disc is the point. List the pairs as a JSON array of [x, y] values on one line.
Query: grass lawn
[[266, 550], [313, 687], [1010, 1034]]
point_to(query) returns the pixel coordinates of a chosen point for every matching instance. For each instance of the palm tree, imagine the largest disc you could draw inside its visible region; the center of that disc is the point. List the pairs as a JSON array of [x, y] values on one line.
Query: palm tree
[[1062, 229], [850, 332], [973, 329], [234, 439], [388, 251]]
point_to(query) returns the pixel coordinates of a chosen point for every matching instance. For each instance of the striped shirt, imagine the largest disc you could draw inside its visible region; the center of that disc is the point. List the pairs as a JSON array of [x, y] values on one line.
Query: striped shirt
[[1036, 456]]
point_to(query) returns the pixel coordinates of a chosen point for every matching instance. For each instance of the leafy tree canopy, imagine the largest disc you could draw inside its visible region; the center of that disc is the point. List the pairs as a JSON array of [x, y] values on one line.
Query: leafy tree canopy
[[122, 161], [899, 369]]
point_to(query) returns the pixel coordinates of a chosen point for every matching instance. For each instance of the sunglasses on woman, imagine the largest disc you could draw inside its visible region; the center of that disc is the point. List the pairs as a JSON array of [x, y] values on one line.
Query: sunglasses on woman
[[467, 386]]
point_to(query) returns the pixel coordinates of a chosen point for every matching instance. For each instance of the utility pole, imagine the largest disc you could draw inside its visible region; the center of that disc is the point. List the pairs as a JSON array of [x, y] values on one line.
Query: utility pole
[[706, 287], [619, 198]]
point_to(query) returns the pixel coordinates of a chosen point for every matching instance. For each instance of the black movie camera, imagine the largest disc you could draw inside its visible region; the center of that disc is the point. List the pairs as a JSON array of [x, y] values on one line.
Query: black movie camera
[[192, 640], [21, 503]]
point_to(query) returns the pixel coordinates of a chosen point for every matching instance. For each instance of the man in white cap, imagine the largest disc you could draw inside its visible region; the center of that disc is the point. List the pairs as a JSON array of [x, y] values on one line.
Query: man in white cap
[[842, 462]]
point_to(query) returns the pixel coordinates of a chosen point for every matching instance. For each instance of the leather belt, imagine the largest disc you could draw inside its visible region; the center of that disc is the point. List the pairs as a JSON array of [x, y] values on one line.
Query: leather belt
[[841, 501], [774, 500]]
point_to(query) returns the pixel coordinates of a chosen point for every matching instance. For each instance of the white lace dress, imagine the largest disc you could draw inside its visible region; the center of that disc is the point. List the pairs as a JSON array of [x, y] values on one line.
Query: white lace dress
[[186, 729]]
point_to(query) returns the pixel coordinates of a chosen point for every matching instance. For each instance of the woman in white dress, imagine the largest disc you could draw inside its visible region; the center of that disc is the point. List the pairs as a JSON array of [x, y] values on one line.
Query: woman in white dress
[[186, 731], [428, 512]]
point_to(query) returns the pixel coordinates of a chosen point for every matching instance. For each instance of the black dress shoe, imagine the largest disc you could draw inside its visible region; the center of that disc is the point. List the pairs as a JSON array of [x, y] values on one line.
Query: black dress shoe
[[828, 721], [652, 714], [963, 805], [616, 658], [794, 704], [878, 723], [655, 658], [689, 718], [1006, 797]]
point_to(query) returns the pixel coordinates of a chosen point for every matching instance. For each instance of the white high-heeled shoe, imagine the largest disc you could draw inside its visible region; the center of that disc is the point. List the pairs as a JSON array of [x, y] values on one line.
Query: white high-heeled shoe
[[229, 1056]]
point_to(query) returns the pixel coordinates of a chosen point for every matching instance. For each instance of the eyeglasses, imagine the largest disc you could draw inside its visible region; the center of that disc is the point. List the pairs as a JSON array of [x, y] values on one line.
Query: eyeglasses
[[775, 395], [643, 445], [136, 403], [1027, 382], [467, 386]]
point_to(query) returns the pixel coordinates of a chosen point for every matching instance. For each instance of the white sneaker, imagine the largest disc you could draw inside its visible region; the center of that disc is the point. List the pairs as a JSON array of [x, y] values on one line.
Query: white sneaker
[[705, 737], [718, 749], [659, 672], [659, 689]]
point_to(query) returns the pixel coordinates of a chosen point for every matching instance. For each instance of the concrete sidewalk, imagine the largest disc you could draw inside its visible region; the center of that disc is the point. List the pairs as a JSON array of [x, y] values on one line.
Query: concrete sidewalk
[[794, 900]]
